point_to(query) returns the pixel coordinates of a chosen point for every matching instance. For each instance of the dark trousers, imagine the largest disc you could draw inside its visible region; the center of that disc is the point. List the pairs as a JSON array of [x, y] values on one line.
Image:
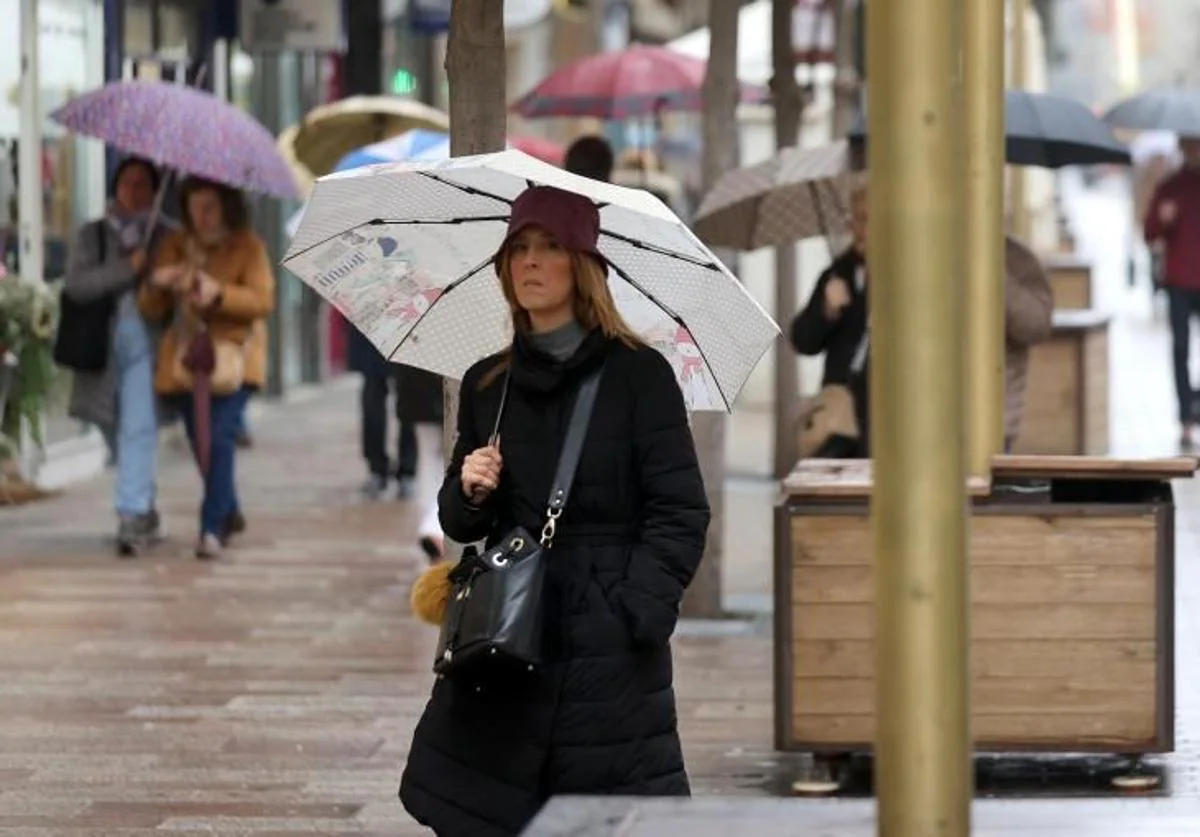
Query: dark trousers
[[374, 397], [220, 487], [1184, 304]]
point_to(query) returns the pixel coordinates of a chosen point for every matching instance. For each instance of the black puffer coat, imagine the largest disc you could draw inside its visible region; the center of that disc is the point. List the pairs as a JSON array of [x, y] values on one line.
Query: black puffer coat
[[601, 719]]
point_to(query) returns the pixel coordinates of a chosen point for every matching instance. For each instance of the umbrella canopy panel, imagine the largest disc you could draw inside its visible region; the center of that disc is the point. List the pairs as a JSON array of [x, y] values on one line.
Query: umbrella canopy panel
[[797, 194], [185, 129], [1047, 131]]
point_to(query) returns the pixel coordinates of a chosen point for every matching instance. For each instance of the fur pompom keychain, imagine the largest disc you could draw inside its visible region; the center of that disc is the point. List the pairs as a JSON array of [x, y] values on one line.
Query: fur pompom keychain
[[431, 592]]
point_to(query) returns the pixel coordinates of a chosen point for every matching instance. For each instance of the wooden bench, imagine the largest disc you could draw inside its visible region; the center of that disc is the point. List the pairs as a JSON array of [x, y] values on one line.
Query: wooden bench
[[1066, 395], [1072, 606]]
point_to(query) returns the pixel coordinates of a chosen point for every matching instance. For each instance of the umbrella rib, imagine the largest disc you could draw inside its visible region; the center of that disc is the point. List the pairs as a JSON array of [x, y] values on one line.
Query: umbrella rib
[[642, 245], [470, 190], [678, 321]]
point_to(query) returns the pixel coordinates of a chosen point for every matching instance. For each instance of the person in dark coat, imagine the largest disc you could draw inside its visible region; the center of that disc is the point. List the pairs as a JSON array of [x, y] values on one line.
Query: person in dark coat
[[834, 323], [378, 377], [599, 717], [590, 156]]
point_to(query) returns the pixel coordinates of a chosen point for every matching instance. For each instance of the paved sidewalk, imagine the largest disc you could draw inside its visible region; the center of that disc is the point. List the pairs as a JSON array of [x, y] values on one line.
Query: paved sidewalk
[[271, 693]]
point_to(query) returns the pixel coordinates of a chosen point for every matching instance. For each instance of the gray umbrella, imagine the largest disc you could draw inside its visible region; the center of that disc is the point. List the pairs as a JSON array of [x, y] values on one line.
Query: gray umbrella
[[1048, 131], [1173, 110]]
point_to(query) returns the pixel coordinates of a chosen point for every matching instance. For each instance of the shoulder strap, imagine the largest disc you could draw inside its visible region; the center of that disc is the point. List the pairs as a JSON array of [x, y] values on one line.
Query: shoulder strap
[[568, 458]]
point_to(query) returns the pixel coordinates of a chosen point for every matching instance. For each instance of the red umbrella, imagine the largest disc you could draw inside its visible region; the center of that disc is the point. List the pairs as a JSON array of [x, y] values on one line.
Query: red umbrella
[[638, 81], [548, 151]]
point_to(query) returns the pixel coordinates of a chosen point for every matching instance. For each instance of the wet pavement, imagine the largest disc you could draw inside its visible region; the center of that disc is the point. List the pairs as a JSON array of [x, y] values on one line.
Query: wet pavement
[[274, 693]]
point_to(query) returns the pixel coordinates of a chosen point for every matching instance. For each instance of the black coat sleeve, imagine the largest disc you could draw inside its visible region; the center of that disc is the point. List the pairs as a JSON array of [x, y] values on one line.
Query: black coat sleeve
[[674, 512], [460, 520], [811, 329]]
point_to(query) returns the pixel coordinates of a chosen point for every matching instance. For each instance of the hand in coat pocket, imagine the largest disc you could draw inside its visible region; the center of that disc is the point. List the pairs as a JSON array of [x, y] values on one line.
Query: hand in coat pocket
[[651, 620]]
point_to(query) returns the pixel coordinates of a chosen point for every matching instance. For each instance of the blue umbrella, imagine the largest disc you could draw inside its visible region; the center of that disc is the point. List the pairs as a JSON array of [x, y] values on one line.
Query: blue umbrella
[[415, 145]]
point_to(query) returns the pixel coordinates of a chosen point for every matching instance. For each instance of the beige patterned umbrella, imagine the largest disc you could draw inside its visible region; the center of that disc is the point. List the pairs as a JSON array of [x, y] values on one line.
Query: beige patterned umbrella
[[797, 194], [404, 251], [330, 132], [286, 143]]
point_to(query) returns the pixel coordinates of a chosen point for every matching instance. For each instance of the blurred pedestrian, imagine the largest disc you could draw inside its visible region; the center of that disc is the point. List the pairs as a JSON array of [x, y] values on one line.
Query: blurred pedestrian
[[107, 264], [590, 156], [1172, 222], [378, 380], [834, 323], [212, 282]]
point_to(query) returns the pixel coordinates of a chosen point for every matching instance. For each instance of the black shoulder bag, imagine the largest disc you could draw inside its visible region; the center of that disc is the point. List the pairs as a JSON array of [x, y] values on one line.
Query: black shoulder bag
[[84, 328], [493, 622]]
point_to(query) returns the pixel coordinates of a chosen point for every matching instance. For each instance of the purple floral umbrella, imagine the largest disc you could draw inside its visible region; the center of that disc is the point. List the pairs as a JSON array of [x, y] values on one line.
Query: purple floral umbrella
[[185, 129]]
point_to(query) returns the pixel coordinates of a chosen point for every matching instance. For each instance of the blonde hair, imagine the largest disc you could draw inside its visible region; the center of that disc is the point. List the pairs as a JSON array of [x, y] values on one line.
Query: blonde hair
[[593, 304]]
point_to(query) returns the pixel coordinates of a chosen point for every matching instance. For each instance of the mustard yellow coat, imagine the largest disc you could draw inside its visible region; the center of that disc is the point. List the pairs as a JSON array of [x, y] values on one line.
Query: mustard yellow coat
[[243, 268]]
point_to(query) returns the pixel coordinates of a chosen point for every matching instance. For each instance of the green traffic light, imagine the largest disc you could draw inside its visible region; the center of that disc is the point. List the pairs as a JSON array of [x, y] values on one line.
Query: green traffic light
[[404, 83]]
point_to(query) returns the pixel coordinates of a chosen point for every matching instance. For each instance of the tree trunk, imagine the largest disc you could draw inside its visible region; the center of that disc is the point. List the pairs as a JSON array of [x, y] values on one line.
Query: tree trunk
[[721, 91], [476, 72], [789, 107]]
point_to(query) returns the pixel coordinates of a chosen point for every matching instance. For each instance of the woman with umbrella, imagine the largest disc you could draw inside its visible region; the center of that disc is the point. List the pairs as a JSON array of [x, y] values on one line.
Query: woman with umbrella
[[108, 261], [211, 283], [602, 320], [600, 717], [834, 323]]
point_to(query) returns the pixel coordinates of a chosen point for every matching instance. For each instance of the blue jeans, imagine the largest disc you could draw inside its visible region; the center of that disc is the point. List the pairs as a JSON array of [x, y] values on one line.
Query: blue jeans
[[243, 424], [220, 489], [136, 434]]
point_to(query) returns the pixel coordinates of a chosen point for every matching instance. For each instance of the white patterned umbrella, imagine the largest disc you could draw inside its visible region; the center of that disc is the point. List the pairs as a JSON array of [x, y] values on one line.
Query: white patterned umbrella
[[797, 194], [404, 251]]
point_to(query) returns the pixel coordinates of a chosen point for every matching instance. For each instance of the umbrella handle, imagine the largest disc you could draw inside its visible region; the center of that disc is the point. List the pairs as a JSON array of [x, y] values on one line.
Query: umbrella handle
[[168, 176], [156, 210]]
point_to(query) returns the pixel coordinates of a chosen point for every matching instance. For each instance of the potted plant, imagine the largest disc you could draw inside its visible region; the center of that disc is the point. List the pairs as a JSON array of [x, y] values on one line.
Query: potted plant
[[28, 315]]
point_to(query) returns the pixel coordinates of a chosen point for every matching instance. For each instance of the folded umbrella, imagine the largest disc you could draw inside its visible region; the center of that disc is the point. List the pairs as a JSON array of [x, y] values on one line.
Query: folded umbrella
[[405, 251]]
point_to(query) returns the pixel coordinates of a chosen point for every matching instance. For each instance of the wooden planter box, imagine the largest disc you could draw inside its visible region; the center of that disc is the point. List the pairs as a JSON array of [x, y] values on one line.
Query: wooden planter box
[[1072, 607], [1066, 395], [1070, 279]]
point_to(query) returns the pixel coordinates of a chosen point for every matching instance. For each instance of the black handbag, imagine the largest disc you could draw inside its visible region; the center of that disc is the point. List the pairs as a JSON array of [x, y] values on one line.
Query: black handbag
[[493, 621], [84, 328]]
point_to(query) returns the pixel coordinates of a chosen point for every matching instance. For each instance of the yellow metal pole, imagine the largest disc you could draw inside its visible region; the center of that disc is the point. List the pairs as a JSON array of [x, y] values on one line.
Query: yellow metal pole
[[1021, 224], [983, 56], [917, 202]]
